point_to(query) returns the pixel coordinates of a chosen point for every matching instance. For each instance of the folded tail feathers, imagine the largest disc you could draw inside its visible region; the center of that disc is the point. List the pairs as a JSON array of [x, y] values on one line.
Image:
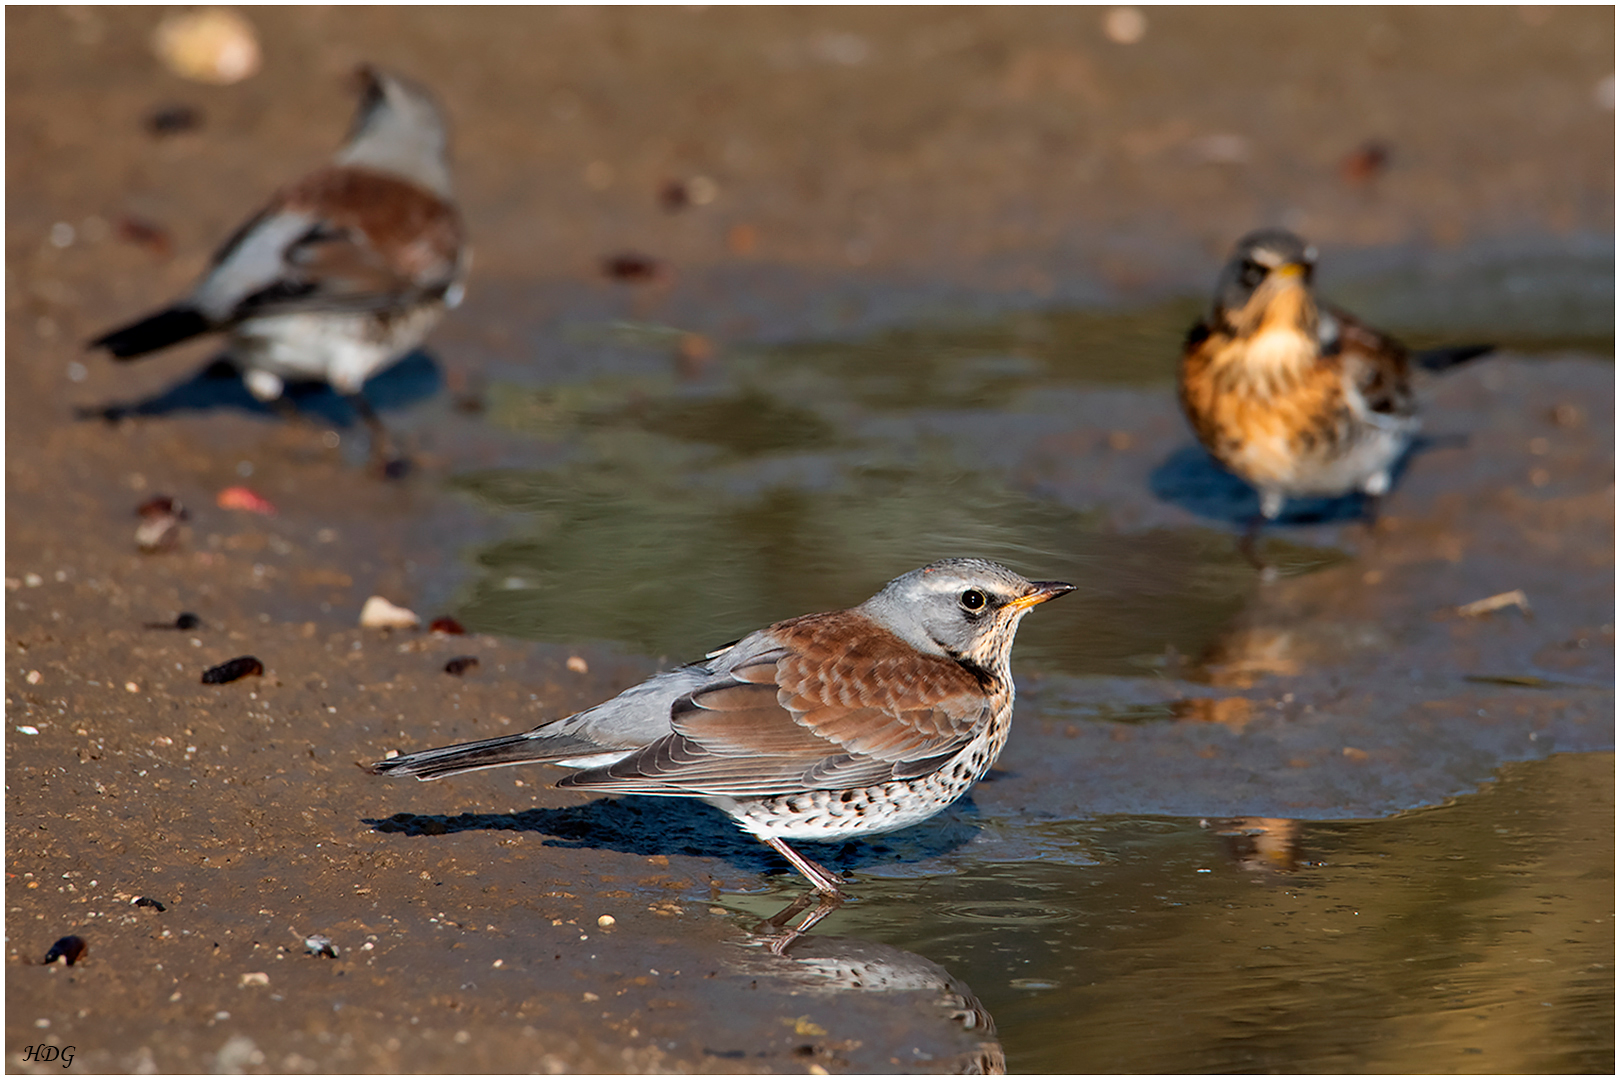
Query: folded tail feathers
[[158, 331], [1449, 356], [485, 754]]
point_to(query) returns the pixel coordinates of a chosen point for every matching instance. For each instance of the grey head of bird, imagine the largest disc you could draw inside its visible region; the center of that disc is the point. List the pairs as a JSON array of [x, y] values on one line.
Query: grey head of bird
[[398, 128], [1266, 266], [966, 609]]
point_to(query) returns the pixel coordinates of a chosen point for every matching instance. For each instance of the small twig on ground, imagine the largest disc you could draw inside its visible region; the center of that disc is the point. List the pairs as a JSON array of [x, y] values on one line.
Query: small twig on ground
[[1515, 598]]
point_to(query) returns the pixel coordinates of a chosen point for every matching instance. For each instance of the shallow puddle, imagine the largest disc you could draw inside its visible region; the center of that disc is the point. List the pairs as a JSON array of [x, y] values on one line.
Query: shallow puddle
[[1313, 934], [804, 476], [1472, 937]]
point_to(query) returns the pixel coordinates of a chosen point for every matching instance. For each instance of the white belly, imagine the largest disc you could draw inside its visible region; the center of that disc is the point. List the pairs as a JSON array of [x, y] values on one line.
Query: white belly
[[341, 348]]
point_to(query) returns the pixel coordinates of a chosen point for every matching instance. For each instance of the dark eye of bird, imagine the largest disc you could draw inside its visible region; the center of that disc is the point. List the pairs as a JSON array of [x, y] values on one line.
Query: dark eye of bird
[[974, 600], [1253, 273]]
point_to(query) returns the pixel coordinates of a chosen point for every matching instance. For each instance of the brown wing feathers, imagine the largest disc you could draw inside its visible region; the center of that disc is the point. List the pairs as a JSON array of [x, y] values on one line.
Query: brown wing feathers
[[808, 715], [1377, 363]]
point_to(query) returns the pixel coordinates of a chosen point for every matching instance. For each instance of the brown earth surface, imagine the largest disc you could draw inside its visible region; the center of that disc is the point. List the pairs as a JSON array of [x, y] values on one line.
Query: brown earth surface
[[1014, 152]]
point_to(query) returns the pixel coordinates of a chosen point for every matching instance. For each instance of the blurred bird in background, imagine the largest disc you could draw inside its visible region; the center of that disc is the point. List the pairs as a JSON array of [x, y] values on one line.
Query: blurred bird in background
[[344, 272], [1293, 395]]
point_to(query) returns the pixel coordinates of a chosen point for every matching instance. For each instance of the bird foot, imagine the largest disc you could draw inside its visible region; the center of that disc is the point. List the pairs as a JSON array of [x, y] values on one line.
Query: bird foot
[[824, 880], [1249, 547]]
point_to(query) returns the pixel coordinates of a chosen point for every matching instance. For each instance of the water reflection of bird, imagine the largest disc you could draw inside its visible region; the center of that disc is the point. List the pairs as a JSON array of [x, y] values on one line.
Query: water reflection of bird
[[837, 964], [1262, 845], [1295, 396], [344, 271], [823, 727]]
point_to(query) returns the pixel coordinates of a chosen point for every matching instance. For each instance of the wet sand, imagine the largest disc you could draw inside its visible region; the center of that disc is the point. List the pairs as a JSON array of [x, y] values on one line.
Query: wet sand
[[873, 167]]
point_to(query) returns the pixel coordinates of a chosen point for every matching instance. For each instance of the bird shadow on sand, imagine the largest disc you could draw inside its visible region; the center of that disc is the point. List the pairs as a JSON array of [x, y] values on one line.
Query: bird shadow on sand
[[1191, 479], [415, 377], [644, 825]]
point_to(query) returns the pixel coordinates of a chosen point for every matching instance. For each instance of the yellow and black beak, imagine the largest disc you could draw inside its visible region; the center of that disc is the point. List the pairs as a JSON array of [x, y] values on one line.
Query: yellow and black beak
[[1041, 592]]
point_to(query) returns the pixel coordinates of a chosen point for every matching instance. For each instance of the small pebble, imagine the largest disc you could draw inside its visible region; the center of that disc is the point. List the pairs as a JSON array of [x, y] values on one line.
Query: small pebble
[[161, 506], [142, 233], [1125, 25], [159, 529], [71, 949], [243, 498], [1366, 162], [28, 729], [320, 945], [253, 978], [444, 624], [185, 621], [460, 665], [578, 665], [35, 678], [380, 614], [231, 670], [147, 901], [676, 195], [173, 119], [632, 267], [605, 921]]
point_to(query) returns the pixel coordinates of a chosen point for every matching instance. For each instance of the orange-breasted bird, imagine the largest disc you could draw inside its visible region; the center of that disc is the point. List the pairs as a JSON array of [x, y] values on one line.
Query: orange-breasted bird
[[1296, 396]]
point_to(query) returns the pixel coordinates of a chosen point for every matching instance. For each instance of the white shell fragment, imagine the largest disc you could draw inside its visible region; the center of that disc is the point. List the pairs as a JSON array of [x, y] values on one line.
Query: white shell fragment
[[211, 46], [380, 614]]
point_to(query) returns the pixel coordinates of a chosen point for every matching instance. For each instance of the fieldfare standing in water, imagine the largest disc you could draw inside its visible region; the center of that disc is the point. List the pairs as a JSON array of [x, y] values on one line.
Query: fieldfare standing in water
[[823, 727], [1293, 395], [344, 272]]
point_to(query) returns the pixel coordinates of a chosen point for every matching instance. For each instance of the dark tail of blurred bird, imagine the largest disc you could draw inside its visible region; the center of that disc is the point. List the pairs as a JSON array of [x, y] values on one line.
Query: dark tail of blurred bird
[[168, 327], [1449, 356]]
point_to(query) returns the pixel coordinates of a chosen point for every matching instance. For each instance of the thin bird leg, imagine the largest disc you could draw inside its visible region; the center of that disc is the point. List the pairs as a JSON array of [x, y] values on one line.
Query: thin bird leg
[[285, 409], [1249, 544], [823, 879], [1371, 507], [382, 447]]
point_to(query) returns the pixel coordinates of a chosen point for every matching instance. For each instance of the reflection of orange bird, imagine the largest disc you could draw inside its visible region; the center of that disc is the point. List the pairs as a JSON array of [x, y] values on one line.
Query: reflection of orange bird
[[1240, 657], [1294, 396], [1233, 712], [1262, 844]]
